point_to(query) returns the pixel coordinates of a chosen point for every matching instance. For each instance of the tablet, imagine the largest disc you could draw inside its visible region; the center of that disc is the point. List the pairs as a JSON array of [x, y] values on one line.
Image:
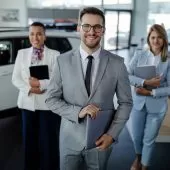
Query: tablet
[[40, 72]]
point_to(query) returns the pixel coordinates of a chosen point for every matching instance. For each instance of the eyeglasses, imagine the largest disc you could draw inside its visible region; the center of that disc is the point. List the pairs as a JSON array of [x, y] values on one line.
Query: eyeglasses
[[87, 27]]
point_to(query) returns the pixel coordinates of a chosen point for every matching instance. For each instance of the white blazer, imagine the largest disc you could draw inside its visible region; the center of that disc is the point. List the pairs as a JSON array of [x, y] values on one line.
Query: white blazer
[[21, 74]]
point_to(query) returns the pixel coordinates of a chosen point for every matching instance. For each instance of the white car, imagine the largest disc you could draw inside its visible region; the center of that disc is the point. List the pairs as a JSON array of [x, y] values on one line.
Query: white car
[[10, 43]]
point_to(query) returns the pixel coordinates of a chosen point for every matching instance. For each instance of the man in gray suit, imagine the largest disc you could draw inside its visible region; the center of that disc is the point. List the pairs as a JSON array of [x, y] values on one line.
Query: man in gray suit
[[85, 81]]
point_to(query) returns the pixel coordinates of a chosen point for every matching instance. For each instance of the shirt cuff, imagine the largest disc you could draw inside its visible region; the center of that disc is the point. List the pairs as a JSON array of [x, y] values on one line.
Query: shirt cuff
[[43, 85], [153, 92], [143, 83]]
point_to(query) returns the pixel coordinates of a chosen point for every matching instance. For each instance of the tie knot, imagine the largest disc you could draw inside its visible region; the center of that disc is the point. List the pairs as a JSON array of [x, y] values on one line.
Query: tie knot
[[90, 57]]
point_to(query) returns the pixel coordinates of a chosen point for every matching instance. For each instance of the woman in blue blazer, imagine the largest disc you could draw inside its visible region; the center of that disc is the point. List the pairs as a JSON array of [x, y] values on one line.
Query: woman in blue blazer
[[149, 106]]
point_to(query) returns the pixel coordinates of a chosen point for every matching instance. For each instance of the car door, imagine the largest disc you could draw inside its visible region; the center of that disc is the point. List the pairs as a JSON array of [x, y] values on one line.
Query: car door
[[8, 92], [8, 52]]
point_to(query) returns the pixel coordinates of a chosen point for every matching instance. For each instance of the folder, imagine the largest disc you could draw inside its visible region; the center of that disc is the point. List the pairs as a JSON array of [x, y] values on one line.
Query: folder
[[95, 128], [146, 72], [40, 72]]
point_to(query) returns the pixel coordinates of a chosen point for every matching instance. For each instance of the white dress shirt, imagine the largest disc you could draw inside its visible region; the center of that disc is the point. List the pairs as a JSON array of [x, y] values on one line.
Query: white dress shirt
[[153, 59], [95, 64]]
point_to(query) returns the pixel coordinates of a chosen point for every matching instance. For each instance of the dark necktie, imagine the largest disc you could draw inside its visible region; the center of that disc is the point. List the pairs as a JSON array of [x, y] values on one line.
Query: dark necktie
[[88, 74]]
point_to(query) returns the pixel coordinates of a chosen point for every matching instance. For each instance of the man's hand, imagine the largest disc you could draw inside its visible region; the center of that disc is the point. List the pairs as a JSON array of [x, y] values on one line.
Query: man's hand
[[91, 110], [34, 82], [104, 141], [155, 82], [36, 90], [143, 91]]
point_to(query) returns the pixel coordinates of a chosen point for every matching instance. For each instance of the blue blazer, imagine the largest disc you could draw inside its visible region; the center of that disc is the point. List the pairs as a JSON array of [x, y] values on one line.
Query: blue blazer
[[158, 102]]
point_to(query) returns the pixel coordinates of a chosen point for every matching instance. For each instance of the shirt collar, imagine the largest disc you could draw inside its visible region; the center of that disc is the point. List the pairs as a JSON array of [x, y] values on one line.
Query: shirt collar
[[151, 54], [84, 54]]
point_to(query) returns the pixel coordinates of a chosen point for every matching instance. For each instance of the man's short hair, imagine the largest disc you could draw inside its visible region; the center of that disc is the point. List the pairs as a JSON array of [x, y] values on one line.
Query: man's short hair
[[38, 24], [92, 10]]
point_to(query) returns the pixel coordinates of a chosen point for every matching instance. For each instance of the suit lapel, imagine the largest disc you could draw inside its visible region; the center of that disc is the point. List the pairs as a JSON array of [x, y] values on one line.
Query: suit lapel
[[100, 72], [27, 55], [78, 71]]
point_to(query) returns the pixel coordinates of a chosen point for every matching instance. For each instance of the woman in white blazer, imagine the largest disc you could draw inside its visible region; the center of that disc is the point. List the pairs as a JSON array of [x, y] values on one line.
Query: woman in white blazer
[[149, 106], [39, 124]]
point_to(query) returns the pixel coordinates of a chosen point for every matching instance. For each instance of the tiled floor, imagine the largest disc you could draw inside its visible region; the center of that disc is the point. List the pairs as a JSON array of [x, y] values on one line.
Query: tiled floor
[[164, 134], [165, 131]]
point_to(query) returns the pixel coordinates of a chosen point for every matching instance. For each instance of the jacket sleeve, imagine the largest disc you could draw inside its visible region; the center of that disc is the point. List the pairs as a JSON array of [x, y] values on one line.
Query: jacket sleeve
[[55, 101], [164, 91], [123, 93], [135, 81], [17, 79]]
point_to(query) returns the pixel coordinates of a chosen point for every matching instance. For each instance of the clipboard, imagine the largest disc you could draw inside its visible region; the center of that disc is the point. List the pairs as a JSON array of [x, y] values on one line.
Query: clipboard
[[40, 72]]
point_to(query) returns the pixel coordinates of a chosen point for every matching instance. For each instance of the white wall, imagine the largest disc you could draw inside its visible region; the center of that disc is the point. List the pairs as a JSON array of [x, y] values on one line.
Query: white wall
[[8, 10]]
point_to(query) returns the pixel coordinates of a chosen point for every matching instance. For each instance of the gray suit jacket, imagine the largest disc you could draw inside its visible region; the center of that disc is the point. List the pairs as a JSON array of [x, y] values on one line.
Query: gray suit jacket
[[67, 95]]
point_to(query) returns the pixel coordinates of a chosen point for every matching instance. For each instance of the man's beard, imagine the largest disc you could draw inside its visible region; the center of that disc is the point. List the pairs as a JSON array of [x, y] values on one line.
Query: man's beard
[[92, 46]]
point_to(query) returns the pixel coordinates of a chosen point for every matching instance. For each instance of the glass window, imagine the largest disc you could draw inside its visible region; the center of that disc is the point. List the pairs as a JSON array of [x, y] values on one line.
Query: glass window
[[74, 3], [60, 44], [117, 2], [159, 0], [19, 43], [159, 13], [117, 33], [91, 3], [5, 52], [125, 1], [63, 3]]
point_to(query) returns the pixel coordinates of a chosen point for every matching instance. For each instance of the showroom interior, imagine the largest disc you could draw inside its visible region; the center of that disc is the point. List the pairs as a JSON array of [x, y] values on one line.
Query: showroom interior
[[127, 24]]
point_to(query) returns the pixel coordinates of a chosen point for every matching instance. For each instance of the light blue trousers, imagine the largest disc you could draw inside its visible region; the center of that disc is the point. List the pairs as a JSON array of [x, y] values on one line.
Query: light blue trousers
[[145, 127]]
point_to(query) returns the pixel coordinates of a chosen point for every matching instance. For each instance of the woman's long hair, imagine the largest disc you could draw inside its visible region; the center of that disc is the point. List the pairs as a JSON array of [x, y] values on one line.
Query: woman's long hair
[[162, 32]]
